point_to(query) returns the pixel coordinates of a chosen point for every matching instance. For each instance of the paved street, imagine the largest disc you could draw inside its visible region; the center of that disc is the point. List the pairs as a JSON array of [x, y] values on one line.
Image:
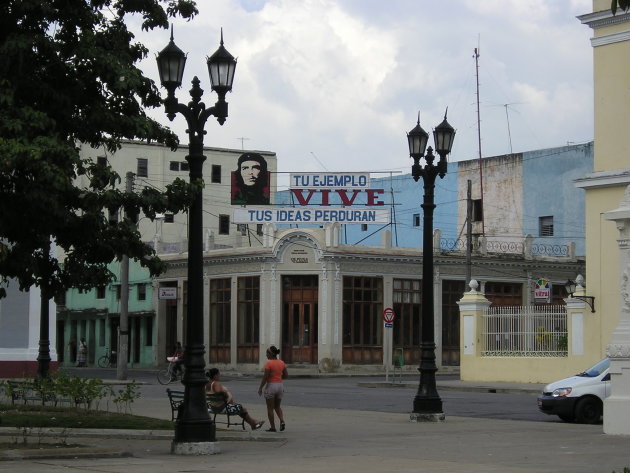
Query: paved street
[[365, 393], [347, 436]]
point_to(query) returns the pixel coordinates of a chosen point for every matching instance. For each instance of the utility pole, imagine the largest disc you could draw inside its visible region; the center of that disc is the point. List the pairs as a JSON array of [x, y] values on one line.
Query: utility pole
[[476, 56], [123, 338], [468, 235]]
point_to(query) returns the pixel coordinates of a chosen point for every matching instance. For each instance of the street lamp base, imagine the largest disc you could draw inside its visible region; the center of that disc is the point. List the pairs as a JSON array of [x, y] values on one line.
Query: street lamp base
[[195, 448], [418, 417]]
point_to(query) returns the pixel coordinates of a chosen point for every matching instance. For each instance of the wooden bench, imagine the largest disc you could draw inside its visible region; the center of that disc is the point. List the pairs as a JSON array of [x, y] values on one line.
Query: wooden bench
[[176, 399], [219, 398]]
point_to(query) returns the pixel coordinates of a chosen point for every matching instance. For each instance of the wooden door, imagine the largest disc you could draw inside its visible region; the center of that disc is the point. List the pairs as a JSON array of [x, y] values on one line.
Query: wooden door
[[299, 320]]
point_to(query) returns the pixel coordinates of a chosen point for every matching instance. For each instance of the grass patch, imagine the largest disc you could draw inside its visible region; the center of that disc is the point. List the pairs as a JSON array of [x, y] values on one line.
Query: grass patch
[[70, 417]]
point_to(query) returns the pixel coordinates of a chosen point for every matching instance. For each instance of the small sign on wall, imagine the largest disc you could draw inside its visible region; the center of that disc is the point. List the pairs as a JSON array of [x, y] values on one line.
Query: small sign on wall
[[542, 291], [299, 256], [167, 293]]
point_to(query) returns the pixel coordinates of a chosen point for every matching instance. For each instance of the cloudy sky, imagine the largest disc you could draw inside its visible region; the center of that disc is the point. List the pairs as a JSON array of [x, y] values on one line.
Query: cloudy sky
[[334, 85]]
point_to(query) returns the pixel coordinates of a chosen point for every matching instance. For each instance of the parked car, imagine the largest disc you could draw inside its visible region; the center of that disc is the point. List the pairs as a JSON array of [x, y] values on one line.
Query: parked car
[[579, 398]]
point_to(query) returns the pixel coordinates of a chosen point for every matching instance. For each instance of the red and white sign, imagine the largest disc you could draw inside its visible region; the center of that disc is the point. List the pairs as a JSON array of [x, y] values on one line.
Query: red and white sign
[[167, 293], [388, 315]]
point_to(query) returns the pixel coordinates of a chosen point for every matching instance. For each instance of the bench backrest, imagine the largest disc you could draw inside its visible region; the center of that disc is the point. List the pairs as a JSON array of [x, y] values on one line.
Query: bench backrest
[[174, 394], [214, 399]]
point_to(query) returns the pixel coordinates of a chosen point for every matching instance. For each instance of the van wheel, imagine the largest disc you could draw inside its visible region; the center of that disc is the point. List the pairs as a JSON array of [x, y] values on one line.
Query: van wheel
[[566, 418], [588, 410]]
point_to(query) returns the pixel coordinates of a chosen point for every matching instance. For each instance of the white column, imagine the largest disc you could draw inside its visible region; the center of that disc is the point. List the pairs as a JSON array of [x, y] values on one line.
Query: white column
[[617, 405], [576, 310]]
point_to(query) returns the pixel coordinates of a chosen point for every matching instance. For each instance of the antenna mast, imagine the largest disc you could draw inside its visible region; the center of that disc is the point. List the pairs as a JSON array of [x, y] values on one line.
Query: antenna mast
[[476, 56]]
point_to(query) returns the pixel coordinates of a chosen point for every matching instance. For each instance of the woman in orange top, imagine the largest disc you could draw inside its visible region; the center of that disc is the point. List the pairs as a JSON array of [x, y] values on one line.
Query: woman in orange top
[[275, 372]]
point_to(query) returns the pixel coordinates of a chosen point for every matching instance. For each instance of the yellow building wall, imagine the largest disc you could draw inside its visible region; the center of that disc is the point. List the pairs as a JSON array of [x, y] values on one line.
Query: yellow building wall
[[602, 268], [612, 107], [611, 80]]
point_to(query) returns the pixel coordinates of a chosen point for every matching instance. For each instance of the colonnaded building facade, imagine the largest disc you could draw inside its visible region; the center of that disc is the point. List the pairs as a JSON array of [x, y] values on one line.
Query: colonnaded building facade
[[321, 302]]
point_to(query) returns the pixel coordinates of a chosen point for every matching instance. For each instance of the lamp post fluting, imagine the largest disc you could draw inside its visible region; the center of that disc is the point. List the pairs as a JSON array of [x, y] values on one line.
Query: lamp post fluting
[[194, 424], [427, 401]]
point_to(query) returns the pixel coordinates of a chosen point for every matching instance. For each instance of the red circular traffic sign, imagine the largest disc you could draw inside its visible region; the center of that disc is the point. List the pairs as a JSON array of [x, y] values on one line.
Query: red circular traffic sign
[[388, 314]]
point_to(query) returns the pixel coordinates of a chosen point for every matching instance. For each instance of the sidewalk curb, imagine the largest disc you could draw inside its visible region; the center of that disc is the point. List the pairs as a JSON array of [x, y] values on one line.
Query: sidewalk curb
[[458, 387], [40, 432], [61, 453]]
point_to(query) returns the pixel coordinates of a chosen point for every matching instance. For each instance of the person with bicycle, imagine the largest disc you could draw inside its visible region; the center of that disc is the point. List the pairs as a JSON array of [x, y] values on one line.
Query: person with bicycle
[[178, 359]]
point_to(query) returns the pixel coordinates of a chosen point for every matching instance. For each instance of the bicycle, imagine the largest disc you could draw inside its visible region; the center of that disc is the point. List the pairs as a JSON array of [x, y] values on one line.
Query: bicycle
[[108, 360], [168, 374]]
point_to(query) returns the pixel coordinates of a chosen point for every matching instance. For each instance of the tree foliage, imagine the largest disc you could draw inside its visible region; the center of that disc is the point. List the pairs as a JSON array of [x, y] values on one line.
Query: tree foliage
[[68, 76], [622, 4]]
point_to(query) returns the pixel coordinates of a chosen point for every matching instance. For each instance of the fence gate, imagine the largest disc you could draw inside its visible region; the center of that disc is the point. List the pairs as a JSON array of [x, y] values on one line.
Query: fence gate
[[525, 331]]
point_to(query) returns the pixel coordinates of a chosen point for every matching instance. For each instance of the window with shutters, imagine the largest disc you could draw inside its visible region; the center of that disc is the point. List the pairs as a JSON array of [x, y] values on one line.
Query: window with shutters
[[545, 226], [143, 167]]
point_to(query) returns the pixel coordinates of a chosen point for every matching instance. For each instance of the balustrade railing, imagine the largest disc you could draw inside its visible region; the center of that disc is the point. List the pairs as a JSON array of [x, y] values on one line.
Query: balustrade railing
[[525, 247]]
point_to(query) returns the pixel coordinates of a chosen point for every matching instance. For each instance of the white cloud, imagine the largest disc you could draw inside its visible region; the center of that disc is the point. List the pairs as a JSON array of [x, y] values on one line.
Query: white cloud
[[345, 79]]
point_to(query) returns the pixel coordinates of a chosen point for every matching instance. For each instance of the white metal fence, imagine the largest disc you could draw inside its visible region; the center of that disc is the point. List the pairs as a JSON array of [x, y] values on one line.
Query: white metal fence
[[527, 331]]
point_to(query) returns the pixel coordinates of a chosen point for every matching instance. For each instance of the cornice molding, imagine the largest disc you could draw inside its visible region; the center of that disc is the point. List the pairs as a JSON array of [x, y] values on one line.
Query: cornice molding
[[487, 260], [610, 39], [604, 18], [620, 177]]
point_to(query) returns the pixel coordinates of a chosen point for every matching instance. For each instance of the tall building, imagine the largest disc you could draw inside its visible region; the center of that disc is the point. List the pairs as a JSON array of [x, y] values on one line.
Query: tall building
[[95, 314], [606, 189], [318, 291], [155, 165]]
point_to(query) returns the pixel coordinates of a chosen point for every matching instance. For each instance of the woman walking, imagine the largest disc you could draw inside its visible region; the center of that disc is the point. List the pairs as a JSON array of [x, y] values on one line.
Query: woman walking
[[275, 372]]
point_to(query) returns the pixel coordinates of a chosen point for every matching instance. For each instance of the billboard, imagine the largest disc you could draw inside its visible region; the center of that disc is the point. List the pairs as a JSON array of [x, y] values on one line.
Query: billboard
[[317, 215], [342, 197], [250, 181]]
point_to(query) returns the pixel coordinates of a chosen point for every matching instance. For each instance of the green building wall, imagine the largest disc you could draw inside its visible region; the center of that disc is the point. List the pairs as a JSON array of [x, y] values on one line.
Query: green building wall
[[95, 316]]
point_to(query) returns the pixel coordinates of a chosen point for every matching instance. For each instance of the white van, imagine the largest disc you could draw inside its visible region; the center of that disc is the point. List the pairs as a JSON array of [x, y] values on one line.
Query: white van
[[579, 398]]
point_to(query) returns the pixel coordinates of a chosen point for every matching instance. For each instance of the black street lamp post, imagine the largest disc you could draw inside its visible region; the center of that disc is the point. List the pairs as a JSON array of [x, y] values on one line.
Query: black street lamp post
[[427, 403], [194, 424]]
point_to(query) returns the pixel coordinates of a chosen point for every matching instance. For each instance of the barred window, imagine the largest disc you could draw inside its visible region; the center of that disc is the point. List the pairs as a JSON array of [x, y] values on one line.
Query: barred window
[[215, 176], [142, 292], [143, 167], [407, 297], [248, 310], [220, 303], [545, 226], [224, 224], [362, 308]]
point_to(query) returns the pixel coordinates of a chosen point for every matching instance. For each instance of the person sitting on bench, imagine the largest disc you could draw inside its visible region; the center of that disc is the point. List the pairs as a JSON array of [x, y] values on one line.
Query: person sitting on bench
[[214, 386]]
